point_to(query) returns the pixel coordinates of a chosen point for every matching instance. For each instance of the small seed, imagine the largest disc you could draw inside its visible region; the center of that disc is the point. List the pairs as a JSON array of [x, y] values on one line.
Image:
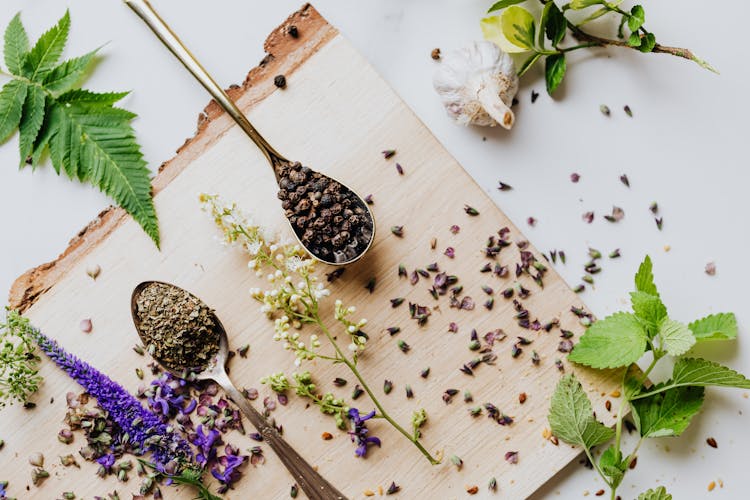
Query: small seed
[[712, 442], [294, 33], [522, 398], [435, 54], [36, 459], [93, 271], [280, 81], [327, 436], [472, 490], [605, 110], [711, 485]]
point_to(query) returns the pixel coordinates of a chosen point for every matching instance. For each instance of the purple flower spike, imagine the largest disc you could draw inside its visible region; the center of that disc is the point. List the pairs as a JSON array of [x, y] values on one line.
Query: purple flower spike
[[146, 431], [106, 461], [206, 444], [359, 434]]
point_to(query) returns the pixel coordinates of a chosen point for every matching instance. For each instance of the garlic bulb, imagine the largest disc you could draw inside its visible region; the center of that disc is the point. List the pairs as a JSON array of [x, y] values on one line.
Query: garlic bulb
[[477, 85]]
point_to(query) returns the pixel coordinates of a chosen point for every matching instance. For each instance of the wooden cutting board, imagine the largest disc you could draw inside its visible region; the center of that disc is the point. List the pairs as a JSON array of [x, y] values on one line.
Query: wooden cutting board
[[337, 115]]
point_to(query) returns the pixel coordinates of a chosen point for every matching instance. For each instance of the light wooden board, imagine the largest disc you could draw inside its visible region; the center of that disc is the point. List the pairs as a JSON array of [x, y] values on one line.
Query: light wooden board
[[336, 115]]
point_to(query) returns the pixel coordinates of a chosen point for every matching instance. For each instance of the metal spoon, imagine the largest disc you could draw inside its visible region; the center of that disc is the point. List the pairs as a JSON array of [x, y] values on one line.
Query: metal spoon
[[351, 246], [312, 483]]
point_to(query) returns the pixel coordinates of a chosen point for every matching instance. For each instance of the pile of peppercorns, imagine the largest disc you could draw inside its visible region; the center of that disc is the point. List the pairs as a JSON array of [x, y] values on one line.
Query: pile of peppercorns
[[328, 218]]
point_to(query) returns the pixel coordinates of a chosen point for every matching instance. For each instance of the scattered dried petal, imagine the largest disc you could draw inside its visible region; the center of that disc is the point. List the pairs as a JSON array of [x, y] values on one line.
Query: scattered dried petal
[[86, 326], [503, 186], [388, 153], [511, 457], [711, 268], [575, 177]]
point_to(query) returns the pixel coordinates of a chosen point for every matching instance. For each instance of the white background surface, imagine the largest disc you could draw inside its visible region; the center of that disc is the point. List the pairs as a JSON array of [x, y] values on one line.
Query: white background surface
[[685, 147]]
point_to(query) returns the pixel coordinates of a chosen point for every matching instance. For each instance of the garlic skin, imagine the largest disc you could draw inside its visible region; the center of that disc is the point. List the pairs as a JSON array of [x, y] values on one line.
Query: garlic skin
[[477, 85]]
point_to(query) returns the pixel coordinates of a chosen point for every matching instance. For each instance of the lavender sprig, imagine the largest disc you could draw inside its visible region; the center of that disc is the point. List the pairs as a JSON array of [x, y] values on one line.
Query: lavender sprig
[[146, 431]]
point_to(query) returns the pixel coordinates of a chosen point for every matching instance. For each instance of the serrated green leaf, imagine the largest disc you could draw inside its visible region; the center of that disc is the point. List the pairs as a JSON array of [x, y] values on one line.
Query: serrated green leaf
[[612, 465], [571, 416], [492, 30], [95, 143], [502, 4], [659, 493], [553, 24], [721, 326], [87, 97], [582, 4], [47, 50], [644, 278], [615, 341], [676, 338], [518, 27], [648, 42], [637, 18], [12, 97], [699, 372], [65, 75], [667, 413], [16, 45], [31, 121], [649, 309]]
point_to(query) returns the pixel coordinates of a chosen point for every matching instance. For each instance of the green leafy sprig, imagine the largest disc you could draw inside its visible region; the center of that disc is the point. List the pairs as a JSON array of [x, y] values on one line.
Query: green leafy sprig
[[19, 363], [661, 410], [516, 30], [88, 138]]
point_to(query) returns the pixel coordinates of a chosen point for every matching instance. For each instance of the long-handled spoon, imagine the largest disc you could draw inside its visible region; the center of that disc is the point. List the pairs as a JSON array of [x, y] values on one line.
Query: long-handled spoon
[[331, 221], [313, 484]]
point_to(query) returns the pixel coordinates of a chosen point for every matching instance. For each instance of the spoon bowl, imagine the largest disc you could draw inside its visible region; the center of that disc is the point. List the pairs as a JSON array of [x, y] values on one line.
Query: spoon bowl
[[314, 230], [314, 485]]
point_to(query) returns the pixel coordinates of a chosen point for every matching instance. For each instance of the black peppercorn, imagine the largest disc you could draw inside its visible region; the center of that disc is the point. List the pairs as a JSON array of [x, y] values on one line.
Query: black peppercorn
[[280, 81]]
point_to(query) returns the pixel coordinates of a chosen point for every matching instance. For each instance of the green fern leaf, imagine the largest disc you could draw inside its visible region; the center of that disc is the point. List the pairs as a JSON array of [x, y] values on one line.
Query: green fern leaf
[[88, 138], [11, 103], [31, 121], [16, 45], [95, 143], [47, 50], [65, 75]]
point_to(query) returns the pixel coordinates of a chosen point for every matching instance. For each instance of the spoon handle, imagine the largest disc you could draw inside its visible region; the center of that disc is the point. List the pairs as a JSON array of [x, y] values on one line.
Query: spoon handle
[[160, 28], [312, 483]]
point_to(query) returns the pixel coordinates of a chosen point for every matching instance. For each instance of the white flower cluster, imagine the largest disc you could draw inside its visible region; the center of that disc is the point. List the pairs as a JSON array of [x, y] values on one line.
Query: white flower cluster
[[358, 337]]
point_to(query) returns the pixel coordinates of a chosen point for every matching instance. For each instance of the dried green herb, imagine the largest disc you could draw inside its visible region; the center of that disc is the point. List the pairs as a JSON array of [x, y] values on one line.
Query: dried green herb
[[177, 328], [19, 374]]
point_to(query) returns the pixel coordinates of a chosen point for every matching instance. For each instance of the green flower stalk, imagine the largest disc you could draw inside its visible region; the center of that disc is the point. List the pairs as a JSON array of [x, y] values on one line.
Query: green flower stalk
[[19, 363], [293, 302]]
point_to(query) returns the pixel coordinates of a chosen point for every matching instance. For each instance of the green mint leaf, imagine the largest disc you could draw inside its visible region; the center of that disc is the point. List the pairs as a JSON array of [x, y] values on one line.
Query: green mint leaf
[[94, 142], [632, 381], [649, 309], [676, 338], [582, 4], [503, 4], [721, 326], [12, 98], [554, 71], [667, 413], [699, 372], [555, 24], [31, 121], [518, 27], [648, 42], [612, 465], [637, 18], [612, 342], [659, 493], [82, 96], [644, 278], [16, 45], [64, 76], [571, 416], [47, 50]]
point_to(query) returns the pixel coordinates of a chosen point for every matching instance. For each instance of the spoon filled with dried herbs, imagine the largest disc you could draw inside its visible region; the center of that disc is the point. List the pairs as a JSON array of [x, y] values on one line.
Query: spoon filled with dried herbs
[[330, 220], [186, 337]]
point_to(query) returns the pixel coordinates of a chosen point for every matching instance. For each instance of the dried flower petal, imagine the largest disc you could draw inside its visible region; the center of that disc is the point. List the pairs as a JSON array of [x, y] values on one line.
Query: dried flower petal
[[511, 457], [86, 326]]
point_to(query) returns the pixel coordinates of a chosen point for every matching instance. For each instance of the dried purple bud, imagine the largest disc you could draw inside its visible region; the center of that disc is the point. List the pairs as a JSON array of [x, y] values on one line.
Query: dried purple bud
[[508, 293], [486, 268], [489, 303], [283, 399], [256, 436], [357, 392], [574, 177], [409, 392], [659, 222], [368, 199], [388, 153], [468, 398], [531, 221], [559, 365], [504, 419], [579, 288], [425, 373], [448, 395], [617, 214], [515, 351], [335, 274], [433, 268], [492, 485], [398, 231], [588, 217], [628, 111], [404, 347], [511, 457], [450, 252], [397, 302], [561, 253], [614, 254], [604, 110], [535, 357], [455, 229], [452, 327], [339, 382], [456, 460], [503, 186], [399, 169], [624, 180], [387, 386], [401, 271], [393, 330], [711, 268], [488, 290], [467, 303], [370, 285], [565, 346], [654, 207], [86, 326], [294, 491], [471, 210], [393, 489]]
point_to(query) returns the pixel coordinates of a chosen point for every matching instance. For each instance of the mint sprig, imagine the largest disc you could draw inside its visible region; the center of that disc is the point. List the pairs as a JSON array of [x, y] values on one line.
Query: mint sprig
[[661, 410], [88, 138]]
